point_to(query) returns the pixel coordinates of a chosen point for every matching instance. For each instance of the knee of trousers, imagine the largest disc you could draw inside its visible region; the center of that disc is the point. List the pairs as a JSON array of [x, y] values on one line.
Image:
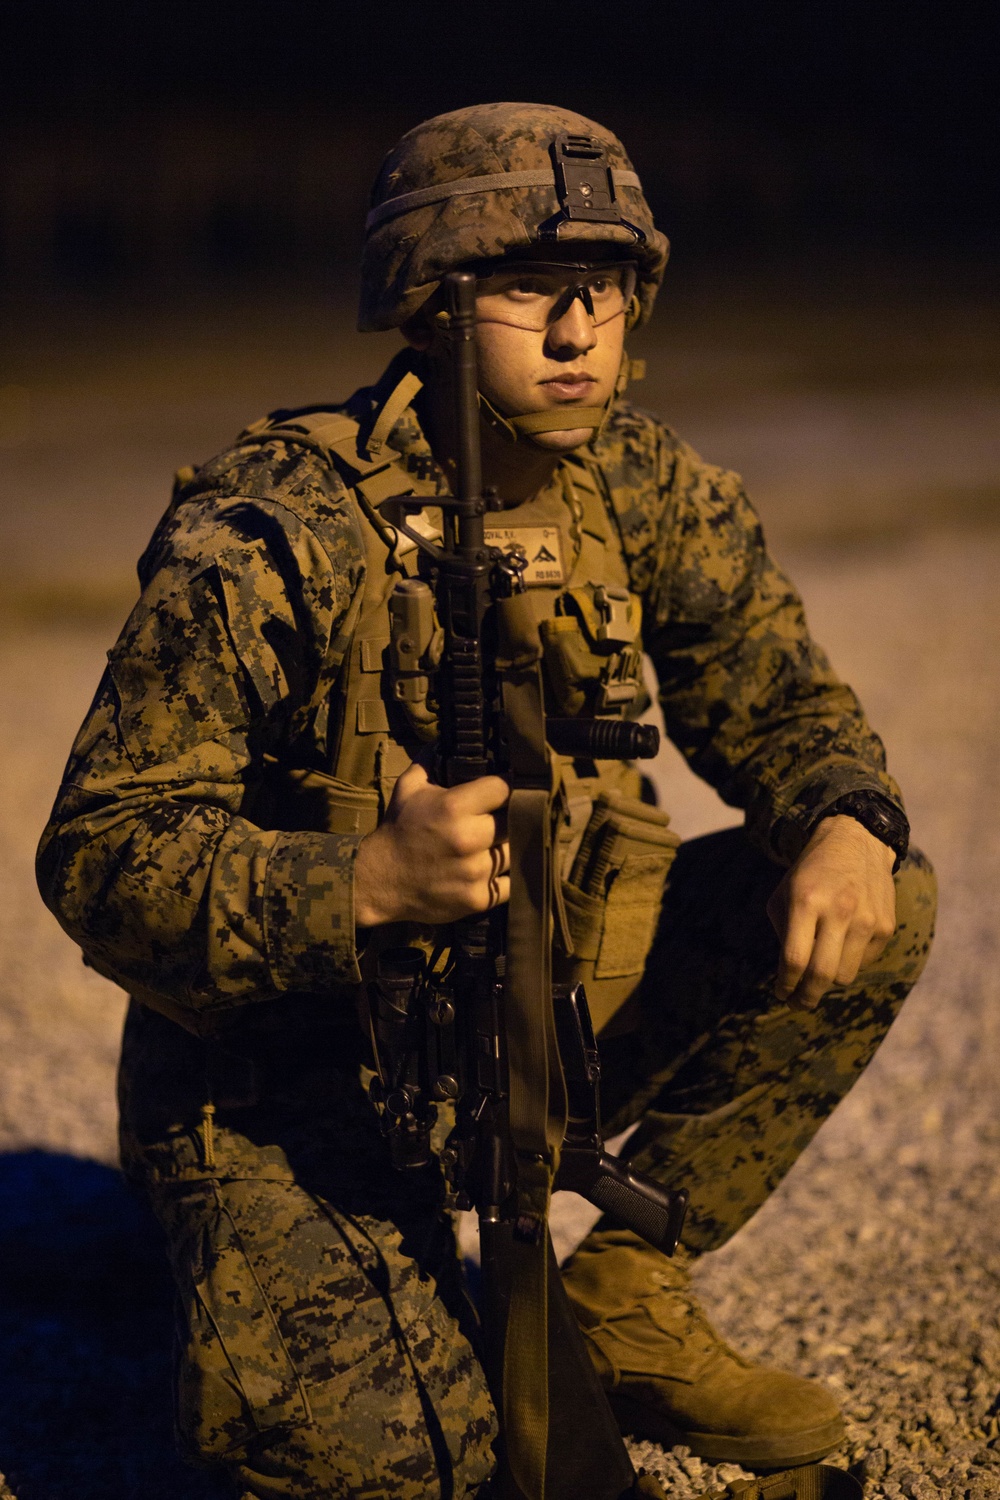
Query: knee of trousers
[[390, 1441], [901, 962], [851, 1021], [317, 1358], [795, 1067]]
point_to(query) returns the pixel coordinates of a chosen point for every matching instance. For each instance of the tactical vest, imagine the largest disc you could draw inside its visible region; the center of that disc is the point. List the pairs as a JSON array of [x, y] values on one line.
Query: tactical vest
[[615, 850]]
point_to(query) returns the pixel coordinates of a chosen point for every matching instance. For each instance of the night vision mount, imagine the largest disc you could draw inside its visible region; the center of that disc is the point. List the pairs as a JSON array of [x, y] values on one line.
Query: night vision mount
[[585, 186]]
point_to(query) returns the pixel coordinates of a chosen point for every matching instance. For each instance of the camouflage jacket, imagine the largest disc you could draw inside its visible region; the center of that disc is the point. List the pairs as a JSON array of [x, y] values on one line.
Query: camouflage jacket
[[232, 653]]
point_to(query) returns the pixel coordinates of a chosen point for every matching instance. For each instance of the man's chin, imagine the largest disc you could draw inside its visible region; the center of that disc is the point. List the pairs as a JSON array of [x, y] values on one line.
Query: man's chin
[[563, 440]]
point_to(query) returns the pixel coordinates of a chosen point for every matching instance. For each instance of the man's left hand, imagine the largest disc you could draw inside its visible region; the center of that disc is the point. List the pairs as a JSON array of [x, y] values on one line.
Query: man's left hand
[[834, 911]]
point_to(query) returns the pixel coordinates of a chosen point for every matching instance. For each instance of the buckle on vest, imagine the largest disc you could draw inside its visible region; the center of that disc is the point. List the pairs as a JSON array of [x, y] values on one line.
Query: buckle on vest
[[616, 628]]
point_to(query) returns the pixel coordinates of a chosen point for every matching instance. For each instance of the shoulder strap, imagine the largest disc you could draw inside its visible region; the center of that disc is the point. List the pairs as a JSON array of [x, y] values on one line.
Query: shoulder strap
[[326, 430], [330, 431], [334, 436], [599, 519], [362, 750], [590, 492]]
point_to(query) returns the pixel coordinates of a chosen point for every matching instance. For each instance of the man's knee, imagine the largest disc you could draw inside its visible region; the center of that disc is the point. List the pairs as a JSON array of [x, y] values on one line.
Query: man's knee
[[852, 1021], [382, 1432], [916, 908], [320, 1359]]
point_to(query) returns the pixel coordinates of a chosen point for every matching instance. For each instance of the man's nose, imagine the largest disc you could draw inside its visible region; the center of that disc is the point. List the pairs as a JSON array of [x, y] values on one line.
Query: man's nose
[[573, 331]]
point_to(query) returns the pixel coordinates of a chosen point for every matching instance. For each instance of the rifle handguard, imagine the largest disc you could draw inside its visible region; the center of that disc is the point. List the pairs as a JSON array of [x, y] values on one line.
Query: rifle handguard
[[603, 739]]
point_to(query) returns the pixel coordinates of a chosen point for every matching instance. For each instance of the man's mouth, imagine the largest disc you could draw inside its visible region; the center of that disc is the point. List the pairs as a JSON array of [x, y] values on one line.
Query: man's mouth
[[569, 387]]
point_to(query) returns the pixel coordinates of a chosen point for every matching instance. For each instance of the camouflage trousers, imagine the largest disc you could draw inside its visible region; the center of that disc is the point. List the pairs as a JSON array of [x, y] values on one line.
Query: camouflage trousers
[[326, 1343]]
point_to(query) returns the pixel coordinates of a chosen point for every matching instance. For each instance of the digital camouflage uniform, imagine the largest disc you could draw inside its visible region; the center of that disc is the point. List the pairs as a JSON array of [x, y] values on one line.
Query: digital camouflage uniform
[[327, 1345]]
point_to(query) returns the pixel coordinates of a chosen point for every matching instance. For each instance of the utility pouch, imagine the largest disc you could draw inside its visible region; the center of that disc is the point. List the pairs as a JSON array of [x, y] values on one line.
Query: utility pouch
[[612, 895], [593, 651], [570, 665], [415, 644], [298, 800]]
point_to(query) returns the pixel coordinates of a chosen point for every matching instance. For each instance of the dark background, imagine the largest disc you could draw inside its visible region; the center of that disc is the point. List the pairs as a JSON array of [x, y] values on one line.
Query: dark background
[[150, 146]]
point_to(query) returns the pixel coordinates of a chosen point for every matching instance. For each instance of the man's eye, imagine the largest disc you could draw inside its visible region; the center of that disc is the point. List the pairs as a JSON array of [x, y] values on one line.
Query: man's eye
[[527, 286]]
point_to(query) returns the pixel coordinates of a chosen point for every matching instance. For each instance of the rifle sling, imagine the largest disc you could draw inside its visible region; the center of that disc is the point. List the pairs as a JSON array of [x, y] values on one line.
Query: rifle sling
[[537, 1089]]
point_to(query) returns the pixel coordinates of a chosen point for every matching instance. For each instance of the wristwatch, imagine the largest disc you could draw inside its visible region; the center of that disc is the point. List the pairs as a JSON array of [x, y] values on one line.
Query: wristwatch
[[881, 817]]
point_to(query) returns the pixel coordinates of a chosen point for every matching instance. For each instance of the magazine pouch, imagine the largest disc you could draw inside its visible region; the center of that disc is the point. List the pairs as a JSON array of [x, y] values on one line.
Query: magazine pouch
[[612, 897]]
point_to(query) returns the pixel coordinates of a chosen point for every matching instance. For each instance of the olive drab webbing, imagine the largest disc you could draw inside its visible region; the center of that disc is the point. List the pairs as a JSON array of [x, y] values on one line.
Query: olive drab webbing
[[807, 1482]]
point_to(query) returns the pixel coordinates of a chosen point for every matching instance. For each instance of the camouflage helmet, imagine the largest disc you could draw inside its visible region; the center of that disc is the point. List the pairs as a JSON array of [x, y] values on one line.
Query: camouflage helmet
[[440, 201]]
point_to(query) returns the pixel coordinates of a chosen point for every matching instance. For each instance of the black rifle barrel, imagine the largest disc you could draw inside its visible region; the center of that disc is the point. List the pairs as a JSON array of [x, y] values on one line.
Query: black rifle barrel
[[469, 473], [603, 739]]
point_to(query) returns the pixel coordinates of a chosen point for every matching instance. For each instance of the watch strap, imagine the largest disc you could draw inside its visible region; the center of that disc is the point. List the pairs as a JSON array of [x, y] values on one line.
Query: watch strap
[[882, 818]]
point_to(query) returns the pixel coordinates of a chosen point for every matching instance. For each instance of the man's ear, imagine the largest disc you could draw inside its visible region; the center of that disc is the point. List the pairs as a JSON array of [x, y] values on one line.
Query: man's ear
[[418, 332], [422, 330]]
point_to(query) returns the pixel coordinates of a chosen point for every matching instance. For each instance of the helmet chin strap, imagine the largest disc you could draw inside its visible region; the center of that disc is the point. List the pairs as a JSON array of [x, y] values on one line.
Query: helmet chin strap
[[557, 418]]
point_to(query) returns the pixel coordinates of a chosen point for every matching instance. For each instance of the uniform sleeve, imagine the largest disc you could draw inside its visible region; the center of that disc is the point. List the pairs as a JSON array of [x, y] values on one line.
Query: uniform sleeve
[[147, 860], [748, 696]]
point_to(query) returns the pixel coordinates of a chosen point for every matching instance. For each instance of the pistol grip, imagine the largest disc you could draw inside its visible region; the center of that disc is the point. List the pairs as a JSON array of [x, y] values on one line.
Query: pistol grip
[[653, 1212]]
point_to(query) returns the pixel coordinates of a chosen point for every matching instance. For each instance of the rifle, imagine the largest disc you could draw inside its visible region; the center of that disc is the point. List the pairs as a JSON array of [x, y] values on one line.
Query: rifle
[[480, 1022]]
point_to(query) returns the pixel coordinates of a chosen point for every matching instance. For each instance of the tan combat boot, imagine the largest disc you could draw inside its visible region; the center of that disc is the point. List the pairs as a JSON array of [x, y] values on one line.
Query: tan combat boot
[[671, 1378]]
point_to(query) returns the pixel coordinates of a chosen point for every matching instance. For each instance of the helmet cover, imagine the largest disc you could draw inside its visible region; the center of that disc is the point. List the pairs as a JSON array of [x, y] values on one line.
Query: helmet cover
[[426, 219]]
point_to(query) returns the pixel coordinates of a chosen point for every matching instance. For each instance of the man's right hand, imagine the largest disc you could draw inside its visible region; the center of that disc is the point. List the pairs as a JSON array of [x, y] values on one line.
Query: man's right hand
[[440, 854]]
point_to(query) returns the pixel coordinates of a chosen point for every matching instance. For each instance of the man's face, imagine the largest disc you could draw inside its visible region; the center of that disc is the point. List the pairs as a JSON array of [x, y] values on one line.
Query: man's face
[[550, 337]]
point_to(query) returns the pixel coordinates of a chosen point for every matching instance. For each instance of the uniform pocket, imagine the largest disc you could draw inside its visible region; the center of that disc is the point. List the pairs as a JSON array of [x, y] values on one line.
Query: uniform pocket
[[613, 898], [235, 1378], [310, 801]]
